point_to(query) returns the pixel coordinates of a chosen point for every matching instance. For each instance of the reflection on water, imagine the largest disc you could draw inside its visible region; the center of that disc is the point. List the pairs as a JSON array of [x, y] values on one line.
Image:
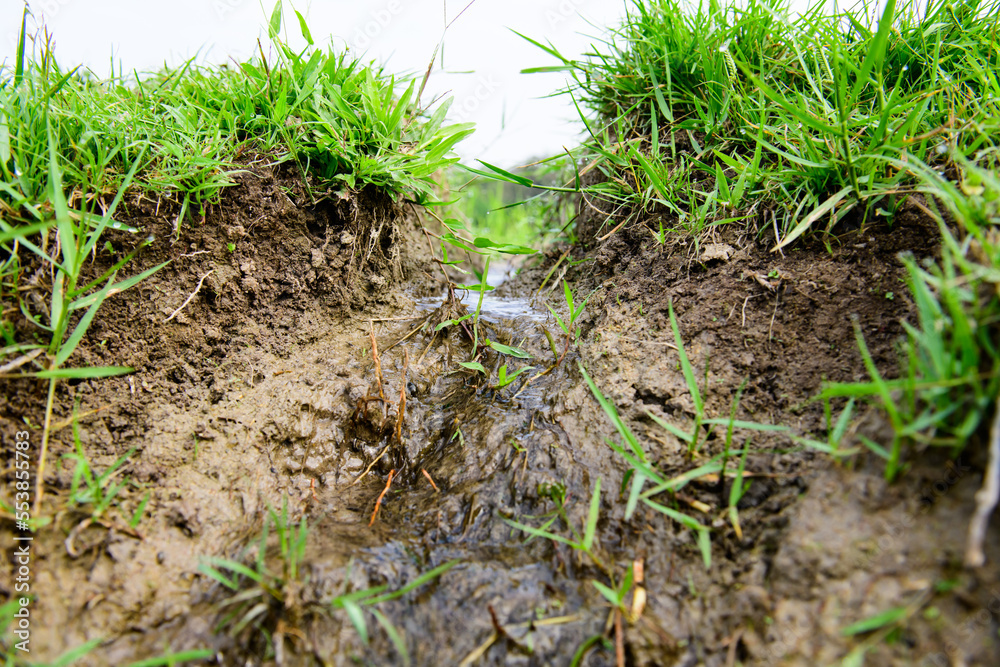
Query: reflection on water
[[494, 308]]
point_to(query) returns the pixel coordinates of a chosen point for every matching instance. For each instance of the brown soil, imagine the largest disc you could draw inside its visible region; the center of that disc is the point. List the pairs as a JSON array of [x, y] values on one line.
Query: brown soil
[[254, 393]]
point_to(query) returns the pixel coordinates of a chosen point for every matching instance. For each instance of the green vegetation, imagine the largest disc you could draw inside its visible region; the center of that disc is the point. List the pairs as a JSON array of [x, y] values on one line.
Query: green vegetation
[[502, 210], [10, 656], [480, 343], [99, 493], [267, 600], [643, 470], [585, 543], [700, 119], [573, 314], [949, 376], [264, 595], [186, 130], [791, 125], [707, 111], [180, 134]]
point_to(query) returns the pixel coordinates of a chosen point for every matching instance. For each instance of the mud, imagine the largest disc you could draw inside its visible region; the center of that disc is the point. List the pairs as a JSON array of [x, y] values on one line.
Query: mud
[[262, 391]]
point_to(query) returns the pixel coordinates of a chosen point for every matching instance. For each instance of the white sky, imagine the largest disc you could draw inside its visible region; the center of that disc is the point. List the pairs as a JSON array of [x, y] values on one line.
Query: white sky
[[482, 57]]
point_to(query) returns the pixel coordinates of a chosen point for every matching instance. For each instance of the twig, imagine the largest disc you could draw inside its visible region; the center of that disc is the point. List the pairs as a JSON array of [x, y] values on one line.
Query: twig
[[543, 622], [651, 342], [734, 643], [378, 370], [415, 330], [66, 422], [619, 640], [20, 361], [401, 408], [190, 296], [426, 350], [611, 233], [378, 503], [986, 499], [532, 379], [777, 300], [395, 319], [370, 466], [480, 650], [430, 479]]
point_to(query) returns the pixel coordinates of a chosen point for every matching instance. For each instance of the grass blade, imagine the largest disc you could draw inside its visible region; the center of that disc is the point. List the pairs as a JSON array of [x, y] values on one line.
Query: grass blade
[[612, 413], [689, 377], [876, 49], [394, 636], [424, 578], [816, 214], [173, 659], [881, 620], [357, 618], [274, 25], [86, 373]]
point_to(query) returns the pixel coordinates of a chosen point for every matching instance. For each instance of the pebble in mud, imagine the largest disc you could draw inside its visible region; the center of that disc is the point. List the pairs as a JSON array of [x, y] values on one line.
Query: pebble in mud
[[353, 464]]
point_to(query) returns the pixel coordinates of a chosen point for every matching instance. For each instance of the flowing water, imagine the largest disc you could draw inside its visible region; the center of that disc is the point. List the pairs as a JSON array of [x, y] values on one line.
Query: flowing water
[[464, 455]]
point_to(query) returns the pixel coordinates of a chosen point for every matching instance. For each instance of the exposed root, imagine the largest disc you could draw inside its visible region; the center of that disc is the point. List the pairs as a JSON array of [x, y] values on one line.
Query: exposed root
[[370, 466], [378, 503], [20, 361], [986, 499], [430, 479], [401, 408], [190, 296], [378, 371]]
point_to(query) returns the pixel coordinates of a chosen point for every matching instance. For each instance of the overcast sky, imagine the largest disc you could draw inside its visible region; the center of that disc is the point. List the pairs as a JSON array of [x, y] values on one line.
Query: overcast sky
[[482, 57]]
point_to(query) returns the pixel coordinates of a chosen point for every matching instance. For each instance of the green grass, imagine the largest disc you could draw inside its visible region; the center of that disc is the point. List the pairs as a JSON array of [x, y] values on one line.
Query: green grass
[[583, 541], [73, 144], [643, 470], [707, 114], [343, 121], [573, 313], [12, 656], [267, 590], [266, 586], [949, 373]]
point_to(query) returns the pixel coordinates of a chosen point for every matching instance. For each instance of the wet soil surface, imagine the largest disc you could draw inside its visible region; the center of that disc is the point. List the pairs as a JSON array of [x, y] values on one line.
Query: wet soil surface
[[263, 390]]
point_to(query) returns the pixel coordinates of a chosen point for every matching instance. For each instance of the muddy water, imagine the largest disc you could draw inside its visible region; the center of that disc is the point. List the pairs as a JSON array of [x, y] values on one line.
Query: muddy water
[[495, 308], [489, 452]]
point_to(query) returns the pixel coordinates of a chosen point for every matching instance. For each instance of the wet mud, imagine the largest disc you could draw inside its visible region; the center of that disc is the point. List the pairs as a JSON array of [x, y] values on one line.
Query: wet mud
[[264, 391]]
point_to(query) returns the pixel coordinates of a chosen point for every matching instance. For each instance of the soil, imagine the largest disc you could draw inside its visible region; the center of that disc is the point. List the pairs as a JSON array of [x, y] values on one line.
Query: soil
[[261, 391]]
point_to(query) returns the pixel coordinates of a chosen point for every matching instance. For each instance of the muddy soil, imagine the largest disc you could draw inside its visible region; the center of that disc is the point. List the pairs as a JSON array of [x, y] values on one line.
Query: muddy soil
[[263, 390]]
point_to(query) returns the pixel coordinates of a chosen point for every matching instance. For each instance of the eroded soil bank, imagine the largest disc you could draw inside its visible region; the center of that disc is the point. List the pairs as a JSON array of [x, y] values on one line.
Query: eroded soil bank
[[262, 389]]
